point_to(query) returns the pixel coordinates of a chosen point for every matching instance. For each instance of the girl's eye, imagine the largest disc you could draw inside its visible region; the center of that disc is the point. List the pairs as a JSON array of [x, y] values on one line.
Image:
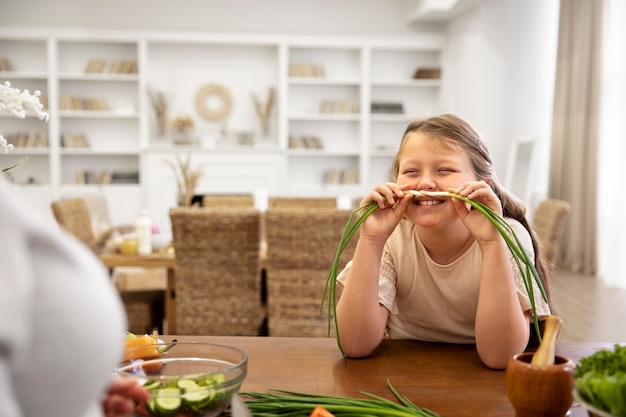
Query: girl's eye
[[446, 170]]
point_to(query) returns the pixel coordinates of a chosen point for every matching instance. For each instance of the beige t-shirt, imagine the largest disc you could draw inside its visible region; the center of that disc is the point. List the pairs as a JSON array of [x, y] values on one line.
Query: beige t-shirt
[[432, 302]]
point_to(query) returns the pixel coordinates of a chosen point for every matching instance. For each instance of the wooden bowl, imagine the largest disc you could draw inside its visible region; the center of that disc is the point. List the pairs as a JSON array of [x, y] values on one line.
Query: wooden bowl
[[540, 390]]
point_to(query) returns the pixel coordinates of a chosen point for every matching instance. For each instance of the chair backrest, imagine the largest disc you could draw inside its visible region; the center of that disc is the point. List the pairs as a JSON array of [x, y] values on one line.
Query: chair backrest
[[302, 202], [548, 223], [73, 216], [218, 271], [228, 200], [301, 246]]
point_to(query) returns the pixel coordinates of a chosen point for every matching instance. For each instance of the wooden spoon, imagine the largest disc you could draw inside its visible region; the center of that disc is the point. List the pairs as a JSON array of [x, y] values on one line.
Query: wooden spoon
[[546, 350]]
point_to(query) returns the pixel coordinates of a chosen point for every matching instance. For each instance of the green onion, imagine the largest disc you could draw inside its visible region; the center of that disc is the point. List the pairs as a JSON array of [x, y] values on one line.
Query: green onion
[[291, 403], [525, 264]]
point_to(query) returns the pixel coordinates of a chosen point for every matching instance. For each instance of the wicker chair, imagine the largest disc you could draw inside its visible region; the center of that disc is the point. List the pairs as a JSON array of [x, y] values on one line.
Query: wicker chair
[[218, 273], [302, 202], [301, 247], [143, 308], [548, 223], [73, 216], [227, 200]]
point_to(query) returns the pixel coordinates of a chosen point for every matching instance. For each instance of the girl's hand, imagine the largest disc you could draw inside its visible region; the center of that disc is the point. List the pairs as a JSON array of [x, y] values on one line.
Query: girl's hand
[[480, 227], [121, 397], [391, 198]]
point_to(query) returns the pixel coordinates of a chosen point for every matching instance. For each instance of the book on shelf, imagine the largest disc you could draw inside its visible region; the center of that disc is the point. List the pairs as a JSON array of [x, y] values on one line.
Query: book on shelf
[[125, 177], [74, 140], [305, 142], [387, 108], [5, 64], [82, 103], [427, 73]]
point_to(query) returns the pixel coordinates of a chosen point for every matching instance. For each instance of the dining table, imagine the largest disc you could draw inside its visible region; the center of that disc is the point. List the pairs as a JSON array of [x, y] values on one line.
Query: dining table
[[448, 379], [165, 260]]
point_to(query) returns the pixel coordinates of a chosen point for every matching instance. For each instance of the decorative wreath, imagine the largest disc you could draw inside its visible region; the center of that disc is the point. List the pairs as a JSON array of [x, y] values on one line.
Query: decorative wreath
[[213, 89]]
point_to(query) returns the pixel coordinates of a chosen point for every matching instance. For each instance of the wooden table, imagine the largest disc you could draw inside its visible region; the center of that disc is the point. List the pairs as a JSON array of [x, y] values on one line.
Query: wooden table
[[155, 260], [447, 379]]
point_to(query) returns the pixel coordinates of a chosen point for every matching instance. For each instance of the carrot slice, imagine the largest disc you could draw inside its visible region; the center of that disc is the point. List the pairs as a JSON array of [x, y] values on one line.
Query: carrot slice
[[320, 411]]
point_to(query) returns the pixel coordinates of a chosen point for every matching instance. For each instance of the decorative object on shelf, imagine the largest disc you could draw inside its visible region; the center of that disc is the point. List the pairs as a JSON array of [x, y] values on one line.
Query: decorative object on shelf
[[427, 73], [243, 138], [160, 107], [387, 108], [211, 92], [187, 178], [307, 70], [264, 110], [16, 103], [182, 127]]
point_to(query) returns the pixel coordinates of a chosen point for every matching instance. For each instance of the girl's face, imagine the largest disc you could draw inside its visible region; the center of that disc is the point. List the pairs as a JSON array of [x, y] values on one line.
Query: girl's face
[[432, 164]]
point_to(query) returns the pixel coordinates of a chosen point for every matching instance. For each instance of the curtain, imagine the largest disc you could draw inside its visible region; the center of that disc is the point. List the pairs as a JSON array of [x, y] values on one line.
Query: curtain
[[612, 148], [573, 160]]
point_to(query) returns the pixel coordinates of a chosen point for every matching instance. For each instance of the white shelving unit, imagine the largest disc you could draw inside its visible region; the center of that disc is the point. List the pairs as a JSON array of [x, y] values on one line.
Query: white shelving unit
[[324, 139]]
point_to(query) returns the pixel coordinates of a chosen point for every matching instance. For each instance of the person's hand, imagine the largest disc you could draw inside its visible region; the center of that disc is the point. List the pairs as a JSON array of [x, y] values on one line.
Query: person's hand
[[392, 202], [480, 227], [121, 397]]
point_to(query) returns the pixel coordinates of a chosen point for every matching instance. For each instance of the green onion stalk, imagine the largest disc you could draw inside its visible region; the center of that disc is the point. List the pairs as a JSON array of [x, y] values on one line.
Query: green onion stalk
[[525, 264], [290, 403]]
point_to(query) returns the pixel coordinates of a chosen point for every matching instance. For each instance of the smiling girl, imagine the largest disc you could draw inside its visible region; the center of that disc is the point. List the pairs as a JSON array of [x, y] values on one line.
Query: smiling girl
[[432, 269]]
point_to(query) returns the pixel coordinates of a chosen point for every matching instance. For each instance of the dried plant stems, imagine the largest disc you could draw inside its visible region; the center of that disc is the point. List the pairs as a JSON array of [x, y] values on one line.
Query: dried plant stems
[[159, 105], [264, 111], [187, 178]]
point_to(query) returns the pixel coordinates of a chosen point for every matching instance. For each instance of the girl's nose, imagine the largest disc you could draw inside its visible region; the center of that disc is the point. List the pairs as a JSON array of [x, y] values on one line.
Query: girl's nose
[[426, 182]]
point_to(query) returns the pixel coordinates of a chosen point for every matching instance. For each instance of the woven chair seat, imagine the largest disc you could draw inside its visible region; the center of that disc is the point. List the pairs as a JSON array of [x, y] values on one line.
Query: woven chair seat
[[302, 202], [218, 274], [228, 200], [301, 247], [548, 223]]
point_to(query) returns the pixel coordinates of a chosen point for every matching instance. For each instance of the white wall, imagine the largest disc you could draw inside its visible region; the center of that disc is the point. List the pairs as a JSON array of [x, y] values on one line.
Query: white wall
[[499, 59], [502, 55], [347, 17]]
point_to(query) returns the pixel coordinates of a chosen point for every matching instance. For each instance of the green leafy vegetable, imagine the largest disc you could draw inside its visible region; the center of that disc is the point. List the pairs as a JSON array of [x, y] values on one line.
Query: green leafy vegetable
[[601, 380], [290, 403], [525, 264]]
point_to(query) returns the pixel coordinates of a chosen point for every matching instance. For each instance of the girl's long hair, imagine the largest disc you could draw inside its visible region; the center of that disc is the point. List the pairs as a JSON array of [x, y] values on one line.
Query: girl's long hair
[[449, 127]]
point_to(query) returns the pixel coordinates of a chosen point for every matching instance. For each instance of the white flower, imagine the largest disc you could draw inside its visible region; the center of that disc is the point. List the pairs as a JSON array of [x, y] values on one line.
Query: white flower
[[17, 103], [5, 146]]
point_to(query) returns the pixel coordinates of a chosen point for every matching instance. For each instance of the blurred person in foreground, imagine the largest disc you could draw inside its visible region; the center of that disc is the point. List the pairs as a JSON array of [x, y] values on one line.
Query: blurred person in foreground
[[62, 322]]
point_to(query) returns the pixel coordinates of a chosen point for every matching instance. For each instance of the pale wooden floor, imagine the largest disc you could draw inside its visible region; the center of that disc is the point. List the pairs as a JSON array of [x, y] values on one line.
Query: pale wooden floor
[[590, 311]]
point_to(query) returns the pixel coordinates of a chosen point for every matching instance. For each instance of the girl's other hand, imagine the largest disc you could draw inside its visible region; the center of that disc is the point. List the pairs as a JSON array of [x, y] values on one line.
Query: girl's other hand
[[122, 395], [480, 227]]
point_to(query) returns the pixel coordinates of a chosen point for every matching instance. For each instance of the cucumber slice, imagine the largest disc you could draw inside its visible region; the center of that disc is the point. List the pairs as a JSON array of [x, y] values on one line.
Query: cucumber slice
[[150, 385], [187, 384], [167, 402], [213, 380]]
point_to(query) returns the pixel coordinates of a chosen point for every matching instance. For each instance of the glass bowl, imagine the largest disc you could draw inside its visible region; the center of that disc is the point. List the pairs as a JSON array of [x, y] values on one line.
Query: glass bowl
[[186, 378]]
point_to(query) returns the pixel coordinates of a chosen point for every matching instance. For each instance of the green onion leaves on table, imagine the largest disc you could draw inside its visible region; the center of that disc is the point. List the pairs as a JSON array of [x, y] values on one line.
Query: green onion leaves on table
[[525, 264], [290, 403]]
